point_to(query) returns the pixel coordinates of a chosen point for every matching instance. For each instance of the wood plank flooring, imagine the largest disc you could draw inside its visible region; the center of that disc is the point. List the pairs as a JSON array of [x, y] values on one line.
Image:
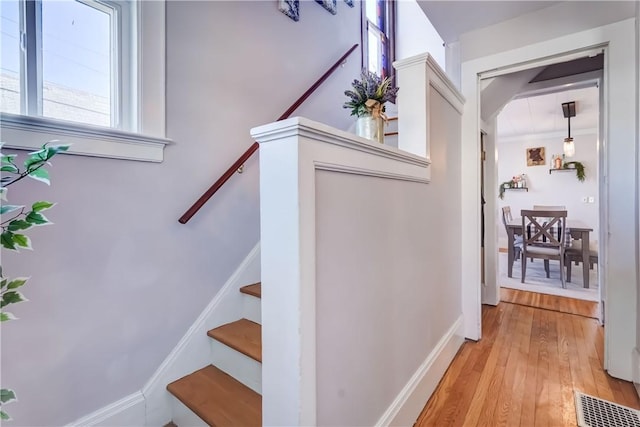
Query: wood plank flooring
[[550, 302], [524, 371]]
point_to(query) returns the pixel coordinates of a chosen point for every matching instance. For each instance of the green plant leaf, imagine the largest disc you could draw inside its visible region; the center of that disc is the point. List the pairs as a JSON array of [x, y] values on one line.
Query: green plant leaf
[[41, 175], [22, 241], [6, 316], [36, 218], [8, 159], [41, 206], [17, 282], [10, 168], [12, 297], [6, 240], [3, 193], [3, 282], [4, 416], [52, 150], [7, 395], [19, 224], [9, 208], [34, 160]]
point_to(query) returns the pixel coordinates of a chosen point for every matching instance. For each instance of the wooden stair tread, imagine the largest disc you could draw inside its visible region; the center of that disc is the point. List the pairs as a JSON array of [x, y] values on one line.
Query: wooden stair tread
[[242, 335], [217, 398], [254, 290]]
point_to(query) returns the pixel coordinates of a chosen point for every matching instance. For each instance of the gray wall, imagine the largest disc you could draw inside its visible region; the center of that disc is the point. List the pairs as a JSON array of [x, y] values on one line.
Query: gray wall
[[381, 311], [117, 280]]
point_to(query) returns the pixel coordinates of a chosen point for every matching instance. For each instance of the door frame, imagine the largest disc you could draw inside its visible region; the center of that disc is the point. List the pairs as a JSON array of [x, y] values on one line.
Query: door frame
[[620, 110]]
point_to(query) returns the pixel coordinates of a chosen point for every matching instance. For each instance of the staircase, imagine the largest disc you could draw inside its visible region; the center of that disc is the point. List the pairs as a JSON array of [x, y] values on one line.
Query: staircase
[[227, 392]]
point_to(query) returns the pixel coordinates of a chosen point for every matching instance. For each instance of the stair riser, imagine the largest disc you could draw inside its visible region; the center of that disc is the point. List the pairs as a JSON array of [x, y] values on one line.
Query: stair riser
[[243, 368], [183, 416], [252, 308]]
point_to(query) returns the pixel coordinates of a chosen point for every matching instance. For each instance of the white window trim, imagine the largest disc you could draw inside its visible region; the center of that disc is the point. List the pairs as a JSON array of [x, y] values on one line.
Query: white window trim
[[147, 144]]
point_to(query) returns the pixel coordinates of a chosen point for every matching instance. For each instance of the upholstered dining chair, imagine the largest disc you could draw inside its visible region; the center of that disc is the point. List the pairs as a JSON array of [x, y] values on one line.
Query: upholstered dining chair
[[540, 240], [517, 240]]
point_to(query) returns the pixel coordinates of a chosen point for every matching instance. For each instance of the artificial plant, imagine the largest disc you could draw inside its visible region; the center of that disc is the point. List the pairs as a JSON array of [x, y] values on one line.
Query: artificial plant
[[14, 221], [579, 169]]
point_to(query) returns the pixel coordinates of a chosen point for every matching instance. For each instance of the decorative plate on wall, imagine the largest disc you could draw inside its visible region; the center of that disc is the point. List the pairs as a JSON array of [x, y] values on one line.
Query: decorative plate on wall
[[291, 8], [330, 5]]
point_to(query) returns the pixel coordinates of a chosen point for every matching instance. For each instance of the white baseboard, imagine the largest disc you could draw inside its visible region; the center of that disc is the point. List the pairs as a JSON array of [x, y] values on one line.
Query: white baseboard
[[406, 407], [126, 412], [635, 366], [194, 349]]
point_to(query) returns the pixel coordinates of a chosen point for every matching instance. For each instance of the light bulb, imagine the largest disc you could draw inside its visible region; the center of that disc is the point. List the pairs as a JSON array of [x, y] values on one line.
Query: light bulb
[[569, 147]]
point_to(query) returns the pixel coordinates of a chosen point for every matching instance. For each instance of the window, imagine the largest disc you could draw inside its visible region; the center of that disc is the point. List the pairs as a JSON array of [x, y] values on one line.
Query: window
[[64, 60], [378, 20], [88, 72]]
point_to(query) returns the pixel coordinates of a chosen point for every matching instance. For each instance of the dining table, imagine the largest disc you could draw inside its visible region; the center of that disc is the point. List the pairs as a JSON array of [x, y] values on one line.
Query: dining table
[[578, 230]]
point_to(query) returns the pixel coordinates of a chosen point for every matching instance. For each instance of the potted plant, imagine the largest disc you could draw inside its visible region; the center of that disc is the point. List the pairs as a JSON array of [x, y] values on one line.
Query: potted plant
[[366, 102]]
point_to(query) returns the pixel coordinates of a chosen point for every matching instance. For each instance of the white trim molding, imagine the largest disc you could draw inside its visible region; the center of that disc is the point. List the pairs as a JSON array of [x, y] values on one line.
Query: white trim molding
[[406, 407], [30, 133], [126, 412], [635, 357]]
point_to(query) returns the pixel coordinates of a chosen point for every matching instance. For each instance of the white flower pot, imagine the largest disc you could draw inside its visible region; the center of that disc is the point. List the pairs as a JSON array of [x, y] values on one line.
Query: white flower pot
[[371, 128]]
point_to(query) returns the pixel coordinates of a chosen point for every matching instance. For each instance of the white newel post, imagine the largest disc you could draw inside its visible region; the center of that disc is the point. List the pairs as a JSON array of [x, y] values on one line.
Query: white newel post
[[291, 151], [288, 254], [417, 75]]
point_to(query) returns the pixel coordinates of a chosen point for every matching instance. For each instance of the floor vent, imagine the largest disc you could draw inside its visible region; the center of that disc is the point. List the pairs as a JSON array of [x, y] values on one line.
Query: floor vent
[[594, 412]]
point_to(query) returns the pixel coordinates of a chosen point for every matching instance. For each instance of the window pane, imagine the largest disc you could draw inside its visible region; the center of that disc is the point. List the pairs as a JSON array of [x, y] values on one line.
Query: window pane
[[370, 10], [373, 43], [10, 57], [76, 62]]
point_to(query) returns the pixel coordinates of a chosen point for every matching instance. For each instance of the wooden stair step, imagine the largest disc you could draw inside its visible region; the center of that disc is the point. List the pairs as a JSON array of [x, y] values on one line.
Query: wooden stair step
[[242, 335], [217, 398], [254, 290]]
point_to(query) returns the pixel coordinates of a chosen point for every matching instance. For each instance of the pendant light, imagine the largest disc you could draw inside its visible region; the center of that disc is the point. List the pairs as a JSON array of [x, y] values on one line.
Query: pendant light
[[569, 110]]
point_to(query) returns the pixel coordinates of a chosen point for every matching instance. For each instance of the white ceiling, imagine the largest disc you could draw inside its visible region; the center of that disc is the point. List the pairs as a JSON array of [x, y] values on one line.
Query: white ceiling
[[543, 114], [452, 18]]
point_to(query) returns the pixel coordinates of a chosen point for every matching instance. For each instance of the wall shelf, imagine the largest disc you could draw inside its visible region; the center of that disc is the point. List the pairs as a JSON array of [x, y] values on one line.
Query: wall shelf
[[562, 170], [517, 188]]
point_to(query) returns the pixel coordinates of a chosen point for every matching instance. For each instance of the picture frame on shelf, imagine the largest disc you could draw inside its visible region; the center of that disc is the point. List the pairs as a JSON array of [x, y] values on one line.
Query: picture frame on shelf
[[536, 156]]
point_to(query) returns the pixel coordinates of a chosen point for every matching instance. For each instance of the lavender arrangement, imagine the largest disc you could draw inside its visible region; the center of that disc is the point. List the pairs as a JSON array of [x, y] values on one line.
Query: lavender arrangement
[[371, 87]]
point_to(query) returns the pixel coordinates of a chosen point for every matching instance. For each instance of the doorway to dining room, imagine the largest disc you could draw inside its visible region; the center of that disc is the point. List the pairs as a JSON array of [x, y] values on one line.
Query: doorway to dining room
[[531, 167]]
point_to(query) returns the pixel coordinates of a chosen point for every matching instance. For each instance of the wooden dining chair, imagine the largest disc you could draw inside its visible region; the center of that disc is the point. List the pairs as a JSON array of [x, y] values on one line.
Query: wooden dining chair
[[574, 254], [540, 239], [517, 240]]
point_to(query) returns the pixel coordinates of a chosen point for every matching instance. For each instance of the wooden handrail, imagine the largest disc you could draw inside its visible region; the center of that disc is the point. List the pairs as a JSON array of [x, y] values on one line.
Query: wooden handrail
[[254, 147]]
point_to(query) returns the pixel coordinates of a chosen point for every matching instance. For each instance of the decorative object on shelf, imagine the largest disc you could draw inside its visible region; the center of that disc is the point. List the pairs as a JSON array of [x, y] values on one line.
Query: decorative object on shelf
[[349, 3], [366, 102], [579, 167], [535, 156], [291, 8], [518, 182], [330, 5], [569, 110]]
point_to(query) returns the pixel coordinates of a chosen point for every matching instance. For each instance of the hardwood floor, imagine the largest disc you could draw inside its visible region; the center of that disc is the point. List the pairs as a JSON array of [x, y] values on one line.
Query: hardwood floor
[[524, 371], [550, 302]]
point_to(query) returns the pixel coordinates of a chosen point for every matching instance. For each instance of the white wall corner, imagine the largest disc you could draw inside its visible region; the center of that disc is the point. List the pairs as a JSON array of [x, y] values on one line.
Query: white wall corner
[[408, 404], [126, 412]]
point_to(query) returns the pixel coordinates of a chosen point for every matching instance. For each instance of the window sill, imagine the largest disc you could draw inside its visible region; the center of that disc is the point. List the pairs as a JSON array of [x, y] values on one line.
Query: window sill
[[29, 133]]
